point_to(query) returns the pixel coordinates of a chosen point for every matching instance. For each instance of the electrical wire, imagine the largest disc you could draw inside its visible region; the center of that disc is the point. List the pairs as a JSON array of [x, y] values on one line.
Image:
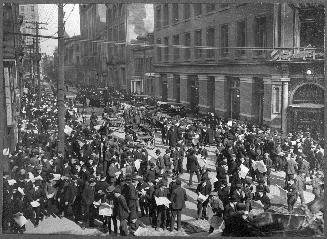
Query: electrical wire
[[70, 13]]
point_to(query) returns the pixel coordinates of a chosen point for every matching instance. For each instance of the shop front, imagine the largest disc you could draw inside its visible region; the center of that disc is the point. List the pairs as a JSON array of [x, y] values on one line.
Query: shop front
[[307, 109]]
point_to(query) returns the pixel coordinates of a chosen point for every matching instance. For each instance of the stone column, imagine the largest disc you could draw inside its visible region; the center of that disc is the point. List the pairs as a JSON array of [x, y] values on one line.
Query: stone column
[[157, 86], [267, 109], [183, 89], [284, 104], [221, 95], [247, 103], [170, 81], [203, 93]]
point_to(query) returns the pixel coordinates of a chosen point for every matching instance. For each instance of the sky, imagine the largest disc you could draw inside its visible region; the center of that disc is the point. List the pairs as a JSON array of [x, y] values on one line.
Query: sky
[[48, 13]]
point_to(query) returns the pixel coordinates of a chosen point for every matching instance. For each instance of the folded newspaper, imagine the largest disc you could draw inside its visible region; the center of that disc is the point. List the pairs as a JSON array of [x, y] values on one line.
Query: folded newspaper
[[244, 171], [162, 201], [35, 204], [20, 220], [202, 198], [105, 209]]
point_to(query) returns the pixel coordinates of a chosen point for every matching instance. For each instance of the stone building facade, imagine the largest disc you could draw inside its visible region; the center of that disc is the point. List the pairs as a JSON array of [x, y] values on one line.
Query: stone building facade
[[229, 59]]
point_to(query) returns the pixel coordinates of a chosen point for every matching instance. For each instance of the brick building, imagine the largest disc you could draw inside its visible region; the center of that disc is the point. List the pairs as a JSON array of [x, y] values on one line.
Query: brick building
[[229, 62]]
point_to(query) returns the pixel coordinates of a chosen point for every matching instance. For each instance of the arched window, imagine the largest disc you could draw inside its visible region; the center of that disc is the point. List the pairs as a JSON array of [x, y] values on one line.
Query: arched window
[[120, 9], [114, 12], [309, 93]]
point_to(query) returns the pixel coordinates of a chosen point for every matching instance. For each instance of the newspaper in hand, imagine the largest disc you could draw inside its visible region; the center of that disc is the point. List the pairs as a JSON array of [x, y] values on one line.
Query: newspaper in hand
[[202, 198], [281, 192], [105, 209], [20, 220], [244, 171], [162, 201], [137, 164], [35, 204]]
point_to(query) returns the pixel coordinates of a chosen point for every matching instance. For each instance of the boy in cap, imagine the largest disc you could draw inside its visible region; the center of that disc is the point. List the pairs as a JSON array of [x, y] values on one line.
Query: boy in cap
[[109, 199], [292, 194], [203, 188], [121, 211], [161, 191], [217, 208]]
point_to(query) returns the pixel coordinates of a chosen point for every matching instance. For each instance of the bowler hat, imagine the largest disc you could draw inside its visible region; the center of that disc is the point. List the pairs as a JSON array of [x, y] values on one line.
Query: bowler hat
[[110, 189]]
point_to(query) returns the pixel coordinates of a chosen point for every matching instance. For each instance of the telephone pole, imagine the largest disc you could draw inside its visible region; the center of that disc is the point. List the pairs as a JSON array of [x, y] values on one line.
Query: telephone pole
[[37, 55], [61, 83]]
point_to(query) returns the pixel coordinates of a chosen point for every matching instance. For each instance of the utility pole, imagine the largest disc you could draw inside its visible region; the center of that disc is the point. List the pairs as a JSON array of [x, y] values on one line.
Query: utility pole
[[325, 112], [61, 83], [37, 55], [3, 114]]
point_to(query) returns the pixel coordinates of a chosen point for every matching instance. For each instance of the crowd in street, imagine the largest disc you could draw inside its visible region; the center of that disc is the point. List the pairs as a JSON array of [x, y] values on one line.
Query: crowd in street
[[117, 181]]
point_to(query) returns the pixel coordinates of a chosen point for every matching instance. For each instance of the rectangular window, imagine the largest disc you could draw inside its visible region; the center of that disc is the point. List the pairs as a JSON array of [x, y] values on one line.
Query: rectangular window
[[224, 40], [159, 58], [187, 11], [241, 36], [158, 17], [197, 9], [32, 8], [211, 42], [22, 8], [197, 42], [115, 35], [176, 47], [175, 12], [223, 5], [211, 7], [110, 34], [166, 43], [122, 32], [166, 15], [187, 43], [276, 99], [261, 34]]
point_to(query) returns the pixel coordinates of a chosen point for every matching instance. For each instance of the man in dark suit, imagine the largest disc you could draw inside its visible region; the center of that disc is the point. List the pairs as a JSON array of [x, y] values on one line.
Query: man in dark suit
[[130, 194], [178, 198], [87, 201], [193, 166], [121, 211]]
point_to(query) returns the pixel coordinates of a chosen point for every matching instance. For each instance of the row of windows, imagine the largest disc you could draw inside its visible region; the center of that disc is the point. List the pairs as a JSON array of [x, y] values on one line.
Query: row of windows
[[163, 20], [117, 33], [224, 36], [22, 8], [139, 66]]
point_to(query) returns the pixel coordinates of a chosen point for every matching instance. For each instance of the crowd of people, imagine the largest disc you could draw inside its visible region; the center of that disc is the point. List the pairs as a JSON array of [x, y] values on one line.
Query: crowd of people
[[101, 177]]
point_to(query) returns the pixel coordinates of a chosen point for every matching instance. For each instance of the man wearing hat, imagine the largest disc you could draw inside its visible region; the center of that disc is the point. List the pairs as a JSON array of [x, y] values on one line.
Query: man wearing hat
[[87, 200], [217, 209], [167, 161], [109, 199], [160, 161], [151, 203], [130, 194], [161, 191], [261, 194], [292, 194], [121, 211], [177, 198], [300, 184], [193, 166], [203, 188]]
